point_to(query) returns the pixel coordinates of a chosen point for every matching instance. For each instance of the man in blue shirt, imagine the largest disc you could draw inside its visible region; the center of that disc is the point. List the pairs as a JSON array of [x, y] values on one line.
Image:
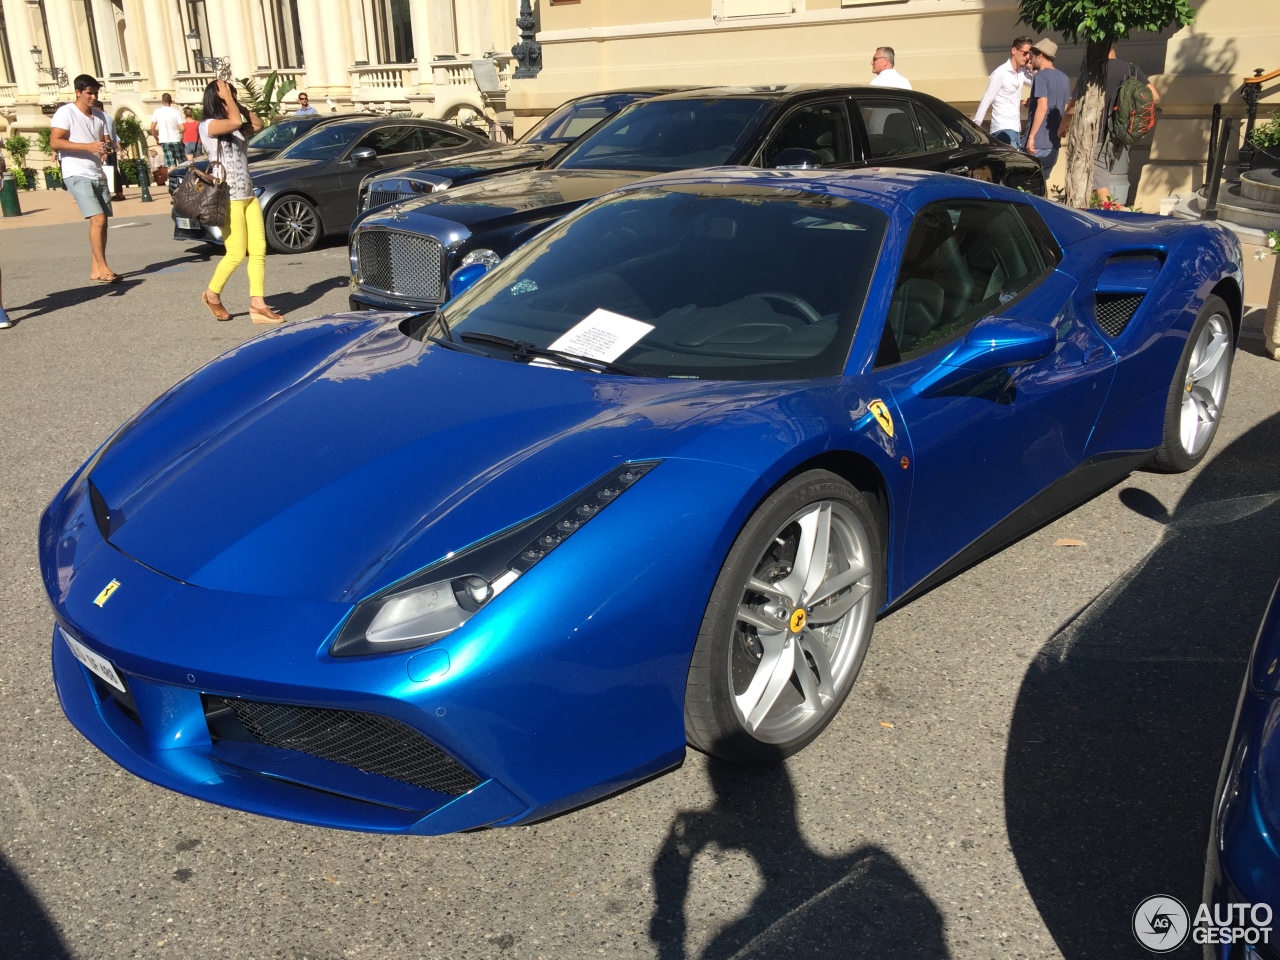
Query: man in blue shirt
[[1050, 90], [305, 109]]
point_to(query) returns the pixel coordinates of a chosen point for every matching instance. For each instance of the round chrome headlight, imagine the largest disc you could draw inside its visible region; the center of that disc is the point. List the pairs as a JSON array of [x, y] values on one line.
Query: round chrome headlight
[[481, 255]]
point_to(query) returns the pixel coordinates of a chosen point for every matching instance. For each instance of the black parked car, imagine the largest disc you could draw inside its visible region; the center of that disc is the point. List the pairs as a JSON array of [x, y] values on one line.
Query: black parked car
[[402, 257], [561, 126], [309, 188]]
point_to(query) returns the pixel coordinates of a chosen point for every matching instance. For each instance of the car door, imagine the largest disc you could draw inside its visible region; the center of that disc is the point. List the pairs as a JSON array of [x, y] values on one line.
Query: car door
[[394, 145], [986, 446], [822, 128], [901, 133]]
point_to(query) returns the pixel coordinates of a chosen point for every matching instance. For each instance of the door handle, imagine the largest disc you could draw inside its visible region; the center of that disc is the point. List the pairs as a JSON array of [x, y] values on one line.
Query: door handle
[[960, 171]]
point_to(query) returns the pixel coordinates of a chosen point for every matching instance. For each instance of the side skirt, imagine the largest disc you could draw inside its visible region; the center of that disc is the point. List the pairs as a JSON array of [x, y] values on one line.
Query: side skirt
[[1083, 483]]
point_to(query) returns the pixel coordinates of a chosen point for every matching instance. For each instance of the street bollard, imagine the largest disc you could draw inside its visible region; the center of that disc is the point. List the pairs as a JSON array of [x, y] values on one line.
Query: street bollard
[[9, 197], [144, 175]]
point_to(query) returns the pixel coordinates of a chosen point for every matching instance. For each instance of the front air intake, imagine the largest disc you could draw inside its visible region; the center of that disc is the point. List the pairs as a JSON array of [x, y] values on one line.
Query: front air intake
[[401, 264], [366, 741]]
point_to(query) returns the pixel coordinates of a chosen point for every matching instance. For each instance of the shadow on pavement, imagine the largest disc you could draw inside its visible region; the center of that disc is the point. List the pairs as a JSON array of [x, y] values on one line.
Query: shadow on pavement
[[287, 302], [72, 297], [1121, 722], [28, 934], [864, 904]]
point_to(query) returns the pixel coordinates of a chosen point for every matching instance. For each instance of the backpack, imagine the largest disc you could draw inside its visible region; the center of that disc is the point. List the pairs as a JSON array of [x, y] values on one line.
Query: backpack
[[1132, 113]]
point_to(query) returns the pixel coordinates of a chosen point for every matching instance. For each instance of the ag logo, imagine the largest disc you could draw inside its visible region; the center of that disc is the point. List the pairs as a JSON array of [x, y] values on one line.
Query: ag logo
[[1161, 924], [106, 593], [882, 415]]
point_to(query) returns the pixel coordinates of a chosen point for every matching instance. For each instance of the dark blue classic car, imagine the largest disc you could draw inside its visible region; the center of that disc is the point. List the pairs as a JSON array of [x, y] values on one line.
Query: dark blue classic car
[[560, 127], [401, 257]]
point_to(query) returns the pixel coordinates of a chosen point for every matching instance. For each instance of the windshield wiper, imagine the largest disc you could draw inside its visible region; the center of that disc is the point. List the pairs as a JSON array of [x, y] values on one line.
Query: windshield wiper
[[524, 350]]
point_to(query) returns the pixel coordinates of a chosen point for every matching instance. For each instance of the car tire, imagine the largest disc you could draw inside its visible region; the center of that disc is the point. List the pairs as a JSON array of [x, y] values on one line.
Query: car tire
[[775, 658], [293, 225], [1198, 392]]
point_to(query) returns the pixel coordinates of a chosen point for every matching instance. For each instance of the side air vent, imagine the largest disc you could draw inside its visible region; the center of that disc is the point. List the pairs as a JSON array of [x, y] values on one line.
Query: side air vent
[[1115, 310]]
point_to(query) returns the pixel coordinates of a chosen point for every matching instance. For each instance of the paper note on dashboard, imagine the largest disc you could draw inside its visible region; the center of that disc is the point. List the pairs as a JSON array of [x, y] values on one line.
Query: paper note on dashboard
[[602, 335]]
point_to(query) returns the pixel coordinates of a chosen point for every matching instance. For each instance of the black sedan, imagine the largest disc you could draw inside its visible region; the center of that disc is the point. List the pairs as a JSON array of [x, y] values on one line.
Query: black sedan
[[561, 126], [402, 257], [308, 189]]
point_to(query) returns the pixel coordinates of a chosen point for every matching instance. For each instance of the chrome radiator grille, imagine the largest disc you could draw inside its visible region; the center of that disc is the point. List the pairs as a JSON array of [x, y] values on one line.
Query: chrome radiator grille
[[401, 264], [378, 198]]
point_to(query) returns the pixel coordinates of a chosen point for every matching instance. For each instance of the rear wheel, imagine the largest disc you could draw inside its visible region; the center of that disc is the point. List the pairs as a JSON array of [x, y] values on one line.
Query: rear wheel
[[788, 624], [293, 225], [1199, 389]]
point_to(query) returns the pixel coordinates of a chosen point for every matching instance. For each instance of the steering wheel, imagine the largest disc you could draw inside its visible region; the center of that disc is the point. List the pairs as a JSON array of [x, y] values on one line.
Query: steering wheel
[[801, 305]]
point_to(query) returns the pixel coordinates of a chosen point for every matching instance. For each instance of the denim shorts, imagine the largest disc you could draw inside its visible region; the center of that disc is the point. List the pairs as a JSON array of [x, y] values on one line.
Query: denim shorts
[[92, 196], [189, 148]]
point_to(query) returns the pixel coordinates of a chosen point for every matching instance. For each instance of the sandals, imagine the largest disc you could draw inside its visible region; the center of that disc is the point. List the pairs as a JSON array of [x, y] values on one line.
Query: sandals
[[216, 308], [112, 278], [265, 315]]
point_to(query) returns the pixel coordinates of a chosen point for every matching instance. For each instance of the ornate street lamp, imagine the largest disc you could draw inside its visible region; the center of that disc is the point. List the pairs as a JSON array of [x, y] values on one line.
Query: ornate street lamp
[[56, 73], [208, 64], [528, 52]]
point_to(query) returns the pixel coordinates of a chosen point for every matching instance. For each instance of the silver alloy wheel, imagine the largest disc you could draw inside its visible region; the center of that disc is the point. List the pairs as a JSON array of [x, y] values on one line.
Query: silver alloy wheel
[[1206, 384], [803, 623], [294, 224]]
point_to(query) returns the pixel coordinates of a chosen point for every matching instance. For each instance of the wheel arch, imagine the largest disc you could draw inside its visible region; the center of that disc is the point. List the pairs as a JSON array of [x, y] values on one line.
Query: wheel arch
[[1229, 290]]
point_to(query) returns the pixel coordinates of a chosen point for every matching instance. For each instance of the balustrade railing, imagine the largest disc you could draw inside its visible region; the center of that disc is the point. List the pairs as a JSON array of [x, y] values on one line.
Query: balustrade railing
[[8, 95], [189, 87], [383, 82]]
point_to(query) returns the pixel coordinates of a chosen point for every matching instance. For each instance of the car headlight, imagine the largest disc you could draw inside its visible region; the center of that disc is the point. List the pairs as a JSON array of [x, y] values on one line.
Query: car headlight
[[436, 601], [488, 257], [257, 191], [363, 203]]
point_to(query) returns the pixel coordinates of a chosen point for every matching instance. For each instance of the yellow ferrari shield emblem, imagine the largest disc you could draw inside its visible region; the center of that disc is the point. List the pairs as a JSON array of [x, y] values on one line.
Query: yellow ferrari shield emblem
[[106, 593], [882, 415], [797, 620]]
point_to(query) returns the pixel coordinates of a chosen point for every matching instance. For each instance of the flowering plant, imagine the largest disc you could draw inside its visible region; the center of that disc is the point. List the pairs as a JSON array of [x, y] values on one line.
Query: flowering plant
[[1273, 242]]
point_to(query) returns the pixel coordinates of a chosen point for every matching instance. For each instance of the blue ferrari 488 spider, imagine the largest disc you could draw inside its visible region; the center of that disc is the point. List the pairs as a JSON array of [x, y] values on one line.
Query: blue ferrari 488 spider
[[648, 482]]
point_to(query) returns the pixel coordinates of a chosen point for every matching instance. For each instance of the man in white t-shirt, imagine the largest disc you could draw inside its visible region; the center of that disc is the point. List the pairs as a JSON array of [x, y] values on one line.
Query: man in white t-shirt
[[1004, 95], [166, 127], [79, 133], [885, 74]]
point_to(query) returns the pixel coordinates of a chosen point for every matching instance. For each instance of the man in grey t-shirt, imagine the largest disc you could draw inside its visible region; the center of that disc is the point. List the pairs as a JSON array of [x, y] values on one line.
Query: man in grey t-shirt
[[1050, 89]]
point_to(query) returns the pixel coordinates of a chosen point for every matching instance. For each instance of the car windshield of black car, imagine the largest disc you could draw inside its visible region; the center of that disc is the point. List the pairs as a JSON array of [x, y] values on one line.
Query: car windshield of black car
[[574, 119], [665, 135], [280, 134], [727, 281], [323, 144]]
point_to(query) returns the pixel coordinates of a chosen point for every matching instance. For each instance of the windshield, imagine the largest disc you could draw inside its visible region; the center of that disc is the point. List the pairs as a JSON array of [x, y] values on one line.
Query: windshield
[[325, 143], [726, 281], [280, 134], [666, 135], [574, 119]]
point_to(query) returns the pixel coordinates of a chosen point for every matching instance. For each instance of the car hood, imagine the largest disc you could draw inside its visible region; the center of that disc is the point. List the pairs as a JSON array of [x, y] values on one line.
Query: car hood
[[484, 162], [528, 194], [329, 460]]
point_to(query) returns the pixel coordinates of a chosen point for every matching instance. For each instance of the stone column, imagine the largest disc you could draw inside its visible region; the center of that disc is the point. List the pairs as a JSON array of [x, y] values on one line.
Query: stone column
[[104, 24], [177, 30], [422, 48], [359, 37], [227, 34], [261, 36], [337, 54], [66, 50], [156, 53], [21, 40], [310, 23]]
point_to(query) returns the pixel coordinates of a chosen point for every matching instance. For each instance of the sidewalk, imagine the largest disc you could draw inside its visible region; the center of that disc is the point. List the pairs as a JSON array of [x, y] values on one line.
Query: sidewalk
[[41, 208]]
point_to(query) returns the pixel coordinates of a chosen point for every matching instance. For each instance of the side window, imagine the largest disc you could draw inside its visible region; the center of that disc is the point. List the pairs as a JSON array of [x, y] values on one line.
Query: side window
[[965, 259], [820, 127], [442, 139], [891, 127], [388, 141], [934, 133]]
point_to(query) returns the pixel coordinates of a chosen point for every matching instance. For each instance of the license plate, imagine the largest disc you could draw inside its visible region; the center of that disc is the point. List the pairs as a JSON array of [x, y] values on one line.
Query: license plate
[[185, 224], [99, 665]]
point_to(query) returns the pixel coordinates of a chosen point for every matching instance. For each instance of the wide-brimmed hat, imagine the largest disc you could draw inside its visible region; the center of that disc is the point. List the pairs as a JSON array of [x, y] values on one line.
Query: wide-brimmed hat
[[1047, 47]]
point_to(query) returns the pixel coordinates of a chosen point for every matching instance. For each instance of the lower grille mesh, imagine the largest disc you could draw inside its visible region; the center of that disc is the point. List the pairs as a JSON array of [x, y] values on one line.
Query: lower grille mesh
[[365, 741], [403, 264], [1115, 310]]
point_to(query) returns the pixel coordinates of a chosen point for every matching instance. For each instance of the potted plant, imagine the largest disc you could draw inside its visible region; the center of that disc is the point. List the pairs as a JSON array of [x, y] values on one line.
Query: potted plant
[[18, 147], [52, 178], [1266, 143]]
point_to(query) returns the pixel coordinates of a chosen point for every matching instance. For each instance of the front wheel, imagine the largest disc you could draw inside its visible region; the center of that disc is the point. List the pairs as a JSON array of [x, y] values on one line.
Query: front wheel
[[1198, 392], [788, 624], [293, 225]]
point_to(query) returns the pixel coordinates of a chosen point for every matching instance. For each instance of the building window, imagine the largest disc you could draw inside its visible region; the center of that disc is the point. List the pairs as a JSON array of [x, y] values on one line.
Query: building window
[[6, 60], [91, 27], [393, 31], [198, 20], [286, 33]]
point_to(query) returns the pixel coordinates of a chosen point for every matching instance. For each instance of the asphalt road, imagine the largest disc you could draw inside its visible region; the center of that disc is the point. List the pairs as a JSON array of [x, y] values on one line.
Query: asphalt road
[[1031, 749]]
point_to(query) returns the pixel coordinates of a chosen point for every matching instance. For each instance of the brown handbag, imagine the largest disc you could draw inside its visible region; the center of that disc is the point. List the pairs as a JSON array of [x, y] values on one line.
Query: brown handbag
[[205, 197]]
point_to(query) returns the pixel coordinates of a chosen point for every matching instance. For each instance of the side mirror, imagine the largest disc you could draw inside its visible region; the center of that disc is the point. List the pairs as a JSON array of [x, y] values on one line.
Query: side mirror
[[1134, 275], [796, 158], [464, 278], [363, 154], [990, 344]]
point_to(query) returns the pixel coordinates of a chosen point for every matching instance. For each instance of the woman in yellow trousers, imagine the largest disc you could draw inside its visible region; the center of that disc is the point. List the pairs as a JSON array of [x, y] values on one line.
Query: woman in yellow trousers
[[224, 133]]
